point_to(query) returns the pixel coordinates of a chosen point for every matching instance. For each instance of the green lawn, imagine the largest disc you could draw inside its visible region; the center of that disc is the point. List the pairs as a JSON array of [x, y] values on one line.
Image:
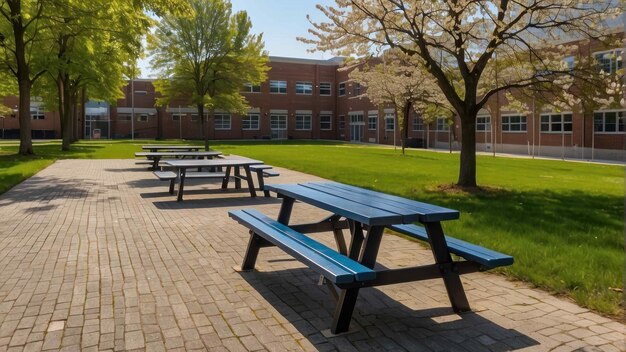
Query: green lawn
[[562, 221]]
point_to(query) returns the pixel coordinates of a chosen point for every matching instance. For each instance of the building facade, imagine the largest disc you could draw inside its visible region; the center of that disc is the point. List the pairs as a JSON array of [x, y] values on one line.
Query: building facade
[[315, 99]]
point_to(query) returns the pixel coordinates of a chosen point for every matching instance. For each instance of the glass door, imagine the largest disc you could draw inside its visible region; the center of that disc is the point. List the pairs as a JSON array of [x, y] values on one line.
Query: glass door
[[278, 125]]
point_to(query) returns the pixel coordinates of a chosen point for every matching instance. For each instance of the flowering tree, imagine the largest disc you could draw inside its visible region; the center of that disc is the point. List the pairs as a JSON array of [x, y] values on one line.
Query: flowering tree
[[402, 82], [468, 35]]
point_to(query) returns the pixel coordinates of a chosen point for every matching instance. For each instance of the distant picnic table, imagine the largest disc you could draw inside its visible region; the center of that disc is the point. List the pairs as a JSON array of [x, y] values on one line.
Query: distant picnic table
[[366, 214], [159, 147], [155, 157], [233, 170]]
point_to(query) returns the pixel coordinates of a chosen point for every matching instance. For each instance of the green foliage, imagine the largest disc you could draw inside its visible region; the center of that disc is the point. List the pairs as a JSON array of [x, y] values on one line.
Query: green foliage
[[208, 56]]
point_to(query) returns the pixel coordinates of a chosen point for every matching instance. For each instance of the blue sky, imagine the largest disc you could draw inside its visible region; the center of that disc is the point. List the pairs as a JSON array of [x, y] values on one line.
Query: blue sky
[[280, 21]]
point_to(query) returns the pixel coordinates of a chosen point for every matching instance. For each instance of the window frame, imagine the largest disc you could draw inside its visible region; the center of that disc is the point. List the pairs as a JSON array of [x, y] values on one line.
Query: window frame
[[222, 117], [301, 121], [390, 116], [618, 59], [329, 122], [523, 122], [620, 121], [301, 88], [372, 126], [37, 112], [341, 89], [276, 87], [330, 89], [551, 123], [442, 122], [250, 88], [248, 120]]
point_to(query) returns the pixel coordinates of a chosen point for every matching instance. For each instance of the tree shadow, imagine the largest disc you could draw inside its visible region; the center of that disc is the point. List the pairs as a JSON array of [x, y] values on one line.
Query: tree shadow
[[215, 202], [379, 321]]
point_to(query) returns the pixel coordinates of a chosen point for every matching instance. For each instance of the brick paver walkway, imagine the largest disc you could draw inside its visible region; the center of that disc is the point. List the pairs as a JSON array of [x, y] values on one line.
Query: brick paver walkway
[[95, 255]]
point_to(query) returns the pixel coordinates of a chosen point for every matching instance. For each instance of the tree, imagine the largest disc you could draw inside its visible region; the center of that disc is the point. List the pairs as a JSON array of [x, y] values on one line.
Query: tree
[[401, 81], [20, 29], [467, 34], [209, 56]]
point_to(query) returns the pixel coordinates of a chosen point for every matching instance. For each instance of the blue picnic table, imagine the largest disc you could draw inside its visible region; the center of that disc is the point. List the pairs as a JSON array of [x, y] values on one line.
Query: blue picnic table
[[366, 214]]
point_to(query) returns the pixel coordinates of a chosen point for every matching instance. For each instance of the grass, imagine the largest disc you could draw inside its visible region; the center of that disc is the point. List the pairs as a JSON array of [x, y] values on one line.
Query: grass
[[562, 221]]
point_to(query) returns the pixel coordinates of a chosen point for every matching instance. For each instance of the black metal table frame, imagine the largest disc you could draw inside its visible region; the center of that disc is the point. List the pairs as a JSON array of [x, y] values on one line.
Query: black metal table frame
[[182, 172]]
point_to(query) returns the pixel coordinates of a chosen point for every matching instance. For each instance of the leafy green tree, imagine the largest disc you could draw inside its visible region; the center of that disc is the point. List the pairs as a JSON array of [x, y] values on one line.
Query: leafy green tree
[[207, 56]]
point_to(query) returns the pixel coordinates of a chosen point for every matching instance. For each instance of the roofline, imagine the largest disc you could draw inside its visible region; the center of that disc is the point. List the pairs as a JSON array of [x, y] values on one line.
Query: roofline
[[335, 61]]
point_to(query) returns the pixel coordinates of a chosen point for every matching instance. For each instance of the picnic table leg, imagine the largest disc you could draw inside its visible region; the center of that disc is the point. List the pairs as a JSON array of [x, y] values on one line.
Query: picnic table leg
[[226, 178], [252, 252], [155, 163], [344, 309], [237, 177], [181, 176], [246, 168], [451, 279]]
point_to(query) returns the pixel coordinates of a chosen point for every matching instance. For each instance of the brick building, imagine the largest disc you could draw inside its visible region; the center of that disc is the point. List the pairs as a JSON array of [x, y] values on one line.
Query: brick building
[[313, 99]]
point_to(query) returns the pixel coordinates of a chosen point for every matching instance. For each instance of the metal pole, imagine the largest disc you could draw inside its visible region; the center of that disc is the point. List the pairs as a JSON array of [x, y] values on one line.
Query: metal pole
[[132, 105], [180, 123]]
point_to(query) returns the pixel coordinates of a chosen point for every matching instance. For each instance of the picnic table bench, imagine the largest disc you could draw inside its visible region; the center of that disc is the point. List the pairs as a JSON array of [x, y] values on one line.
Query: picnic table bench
[[366, 214], [263, 171], [163, 147]]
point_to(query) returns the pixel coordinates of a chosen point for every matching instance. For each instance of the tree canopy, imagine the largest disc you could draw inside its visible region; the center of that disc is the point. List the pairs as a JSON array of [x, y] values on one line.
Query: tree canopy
[[458, 42], [207, 56]]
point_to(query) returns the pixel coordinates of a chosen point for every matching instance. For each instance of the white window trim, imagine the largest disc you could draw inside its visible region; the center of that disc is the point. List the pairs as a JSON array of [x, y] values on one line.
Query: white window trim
[[330, 87], [249, 90], [276, 80], [304, 82], [330, 123], [310, 118], [515, 132], [616, 127], [393, 118], [611, 51], [375, 115], [230, 122], [345, 89], [550, 122], [258, 124]]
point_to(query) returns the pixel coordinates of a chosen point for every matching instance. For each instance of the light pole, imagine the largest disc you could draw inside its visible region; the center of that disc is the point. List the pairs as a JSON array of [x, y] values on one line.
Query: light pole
[[132, 104]]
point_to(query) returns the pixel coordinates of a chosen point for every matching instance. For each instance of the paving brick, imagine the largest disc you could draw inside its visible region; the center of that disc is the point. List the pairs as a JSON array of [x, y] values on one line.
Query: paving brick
[[96, 255]]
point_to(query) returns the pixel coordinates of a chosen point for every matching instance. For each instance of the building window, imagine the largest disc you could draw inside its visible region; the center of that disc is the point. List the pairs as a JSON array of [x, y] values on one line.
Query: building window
[[342, 122], [303, 122], [514, 123], [304, 88], [483, 123], [390, 122], [142, 118], [326, 122], [442, 124], [37, 112], [418, 123], [609, 121], [325, 89], [176, 117], [222, 121], [556, 123], [278, 122], [141, 92], [194, 117], [609, 61], [250, 88], [569, 62], [123, 117], [356, 89], [342, 89], [372, 121], [278, 87], [250, 122]]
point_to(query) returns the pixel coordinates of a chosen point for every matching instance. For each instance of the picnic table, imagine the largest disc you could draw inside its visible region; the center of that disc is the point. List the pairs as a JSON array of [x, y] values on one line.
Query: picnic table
[[233, 169], [162, 147], [155, 157], [366, 214]]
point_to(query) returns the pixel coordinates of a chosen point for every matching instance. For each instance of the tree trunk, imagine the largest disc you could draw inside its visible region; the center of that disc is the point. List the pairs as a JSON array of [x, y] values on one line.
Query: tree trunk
[[467, 170], [205, 123], [65, 107], [405, 125], [26, 139]]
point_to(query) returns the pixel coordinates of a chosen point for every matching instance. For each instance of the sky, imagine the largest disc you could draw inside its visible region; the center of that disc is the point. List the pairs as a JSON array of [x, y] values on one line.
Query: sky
[[280, 21]]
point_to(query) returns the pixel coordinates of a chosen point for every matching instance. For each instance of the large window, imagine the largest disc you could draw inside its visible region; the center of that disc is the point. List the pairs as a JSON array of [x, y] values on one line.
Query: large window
[[222, 121], [483, 123], [442, 124], [418, 123], [325, 89], [278, 87], [278, 122], [514, 123], [609, 61], [390, 121], [372, 121], [556, 123], [249, 88], [303, 122], [304, 88], [342, 89], [356, 89], [37, 112], [609, 121], [250, 122], [326, 122]]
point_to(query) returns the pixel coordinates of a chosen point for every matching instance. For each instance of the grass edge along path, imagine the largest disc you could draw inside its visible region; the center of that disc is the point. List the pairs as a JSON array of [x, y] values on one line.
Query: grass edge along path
[[562, 221]]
